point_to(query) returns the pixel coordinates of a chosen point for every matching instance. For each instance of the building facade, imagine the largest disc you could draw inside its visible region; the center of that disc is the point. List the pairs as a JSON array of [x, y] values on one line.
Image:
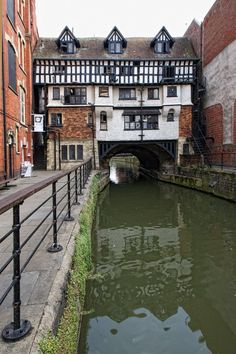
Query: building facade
[[18, 38], [215, 42], [104, 96]]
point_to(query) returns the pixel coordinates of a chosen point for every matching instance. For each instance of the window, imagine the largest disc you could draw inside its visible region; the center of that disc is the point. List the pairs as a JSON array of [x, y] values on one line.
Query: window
[[162, 47], [71, 152], [170, 115], [12, 66], [172, 91], [134, 122], [75, 95], [153, 93], [21, 50], [22, 105], [80, 152], [68, 47], [115, 47], [64, 152], [103, 120], [104, 91], [56, 93], [127, 94], [11, 11], [169, 72], [56, 119], [59, 69], [108, 70], [127, 70]]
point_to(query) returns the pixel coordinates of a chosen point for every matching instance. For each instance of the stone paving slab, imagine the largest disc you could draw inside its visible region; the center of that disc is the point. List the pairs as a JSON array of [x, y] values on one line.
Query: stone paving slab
[[44, 278]]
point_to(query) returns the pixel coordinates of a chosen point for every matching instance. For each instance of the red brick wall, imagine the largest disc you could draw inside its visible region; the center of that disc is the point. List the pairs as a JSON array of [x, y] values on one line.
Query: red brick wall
[[214, 123], [74, 122], [193, 33], [219, 28], [24, 77], [185, 121]]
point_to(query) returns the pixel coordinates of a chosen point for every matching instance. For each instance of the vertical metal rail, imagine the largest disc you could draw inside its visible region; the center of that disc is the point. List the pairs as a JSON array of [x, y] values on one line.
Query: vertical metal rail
[[80, 181], [18, 328], [76, 202], [68, 216], [55, 247]]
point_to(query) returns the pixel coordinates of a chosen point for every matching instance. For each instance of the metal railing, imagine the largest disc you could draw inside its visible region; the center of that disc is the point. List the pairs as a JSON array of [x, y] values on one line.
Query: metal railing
[[51, 212]]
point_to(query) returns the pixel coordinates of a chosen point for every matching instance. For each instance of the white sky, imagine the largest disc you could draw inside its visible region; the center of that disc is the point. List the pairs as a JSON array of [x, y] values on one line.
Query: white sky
[[134, 18]]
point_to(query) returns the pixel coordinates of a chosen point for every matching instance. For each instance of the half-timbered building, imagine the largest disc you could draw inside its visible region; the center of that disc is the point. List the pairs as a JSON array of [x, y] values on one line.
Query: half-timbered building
[[103, 96]]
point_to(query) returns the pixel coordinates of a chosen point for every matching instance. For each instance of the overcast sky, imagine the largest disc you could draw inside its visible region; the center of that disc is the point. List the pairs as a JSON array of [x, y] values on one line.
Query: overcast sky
[[134, 18]]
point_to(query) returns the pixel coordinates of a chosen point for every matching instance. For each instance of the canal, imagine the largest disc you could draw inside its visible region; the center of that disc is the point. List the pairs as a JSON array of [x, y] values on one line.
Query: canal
[[165, 272]]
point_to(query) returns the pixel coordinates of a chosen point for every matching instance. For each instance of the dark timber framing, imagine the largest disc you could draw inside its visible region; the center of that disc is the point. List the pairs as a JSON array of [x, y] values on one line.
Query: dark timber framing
[[114, 72]]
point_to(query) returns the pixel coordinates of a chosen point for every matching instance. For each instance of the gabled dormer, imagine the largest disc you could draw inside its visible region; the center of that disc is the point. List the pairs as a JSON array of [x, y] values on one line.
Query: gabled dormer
[[115, 42], [163, 42], [67, 42]]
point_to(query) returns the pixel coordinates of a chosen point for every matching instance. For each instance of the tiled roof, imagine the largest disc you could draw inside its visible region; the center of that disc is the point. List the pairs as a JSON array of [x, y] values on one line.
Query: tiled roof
[[93, 48]]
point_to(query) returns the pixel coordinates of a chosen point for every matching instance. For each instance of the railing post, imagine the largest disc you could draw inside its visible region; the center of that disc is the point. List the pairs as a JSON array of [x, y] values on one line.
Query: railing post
[[84, 175], [68, 217], [18, 328], [76, 202], [55, 247], [80, 181]]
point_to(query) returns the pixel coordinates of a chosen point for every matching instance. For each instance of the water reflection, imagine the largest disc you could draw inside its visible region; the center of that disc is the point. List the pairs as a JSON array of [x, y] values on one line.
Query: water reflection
[[122, 171], [166, 273]]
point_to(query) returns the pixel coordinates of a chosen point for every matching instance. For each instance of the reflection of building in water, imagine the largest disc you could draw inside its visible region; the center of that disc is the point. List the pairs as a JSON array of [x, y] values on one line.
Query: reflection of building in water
[[123, 172], [169, 254], [140, 264]]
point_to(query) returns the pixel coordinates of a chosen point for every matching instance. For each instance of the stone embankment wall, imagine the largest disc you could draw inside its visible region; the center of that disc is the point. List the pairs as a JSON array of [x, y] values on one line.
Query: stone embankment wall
[[219, 183], [104, 180]]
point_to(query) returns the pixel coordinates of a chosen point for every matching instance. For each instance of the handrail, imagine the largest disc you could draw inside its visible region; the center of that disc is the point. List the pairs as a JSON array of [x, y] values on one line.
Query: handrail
[[60, 210], [17, 197]]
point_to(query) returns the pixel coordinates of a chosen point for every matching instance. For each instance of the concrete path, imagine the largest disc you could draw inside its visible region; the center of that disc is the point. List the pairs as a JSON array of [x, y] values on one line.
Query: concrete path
[[44, 277]]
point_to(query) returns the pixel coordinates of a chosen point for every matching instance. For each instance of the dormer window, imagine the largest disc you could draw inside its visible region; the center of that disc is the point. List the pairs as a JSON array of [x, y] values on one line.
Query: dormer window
[[115, 47], [163, 42], [67, 43], [115, 42], [162, 47]]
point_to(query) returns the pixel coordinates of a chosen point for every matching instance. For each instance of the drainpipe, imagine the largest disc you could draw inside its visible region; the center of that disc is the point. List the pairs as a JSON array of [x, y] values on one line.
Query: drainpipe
[[59, 149], [4, 107], [141, 113]]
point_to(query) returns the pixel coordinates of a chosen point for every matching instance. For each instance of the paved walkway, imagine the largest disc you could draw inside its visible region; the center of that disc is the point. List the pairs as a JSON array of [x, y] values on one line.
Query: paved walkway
[[44, 277]]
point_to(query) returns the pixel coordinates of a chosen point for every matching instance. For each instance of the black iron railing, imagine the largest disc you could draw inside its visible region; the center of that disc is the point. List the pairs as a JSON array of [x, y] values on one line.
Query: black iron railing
[[54, 209]]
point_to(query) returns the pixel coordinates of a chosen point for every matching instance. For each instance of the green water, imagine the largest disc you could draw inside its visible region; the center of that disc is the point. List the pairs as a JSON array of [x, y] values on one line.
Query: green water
[[165, 260]]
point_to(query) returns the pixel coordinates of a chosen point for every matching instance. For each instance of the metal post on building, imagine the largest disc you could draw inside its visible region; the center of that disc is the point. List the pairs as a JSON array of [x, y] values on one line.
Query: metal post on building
[[19, 327]]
